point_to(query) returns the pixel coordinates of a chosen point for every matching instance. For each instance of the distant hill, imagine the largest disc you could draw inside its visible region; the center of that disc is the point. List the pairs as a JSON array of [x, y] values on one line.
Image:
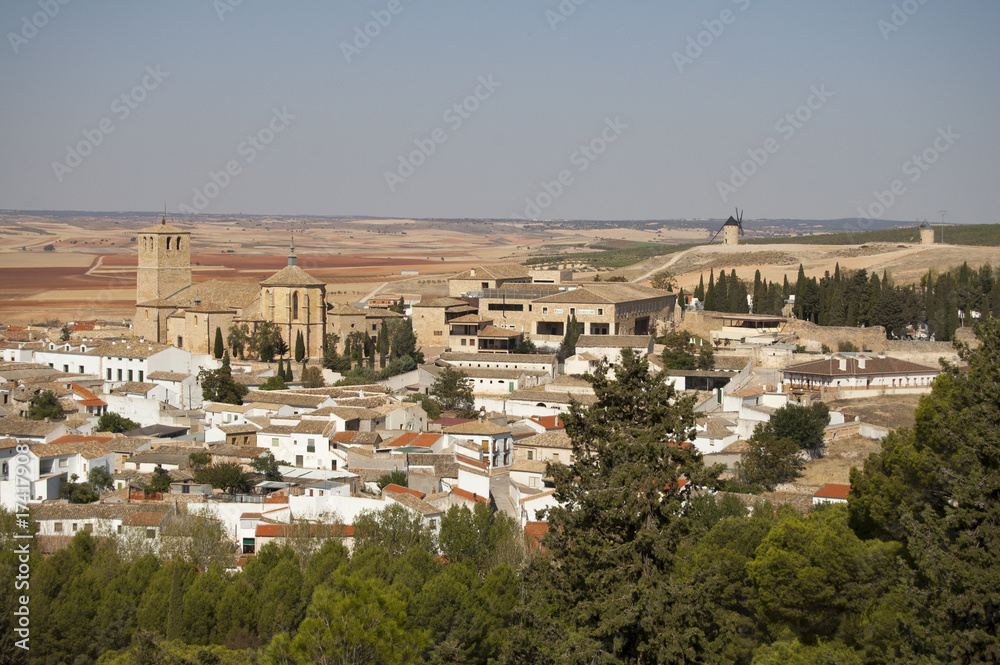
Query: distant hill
[[986, 235]]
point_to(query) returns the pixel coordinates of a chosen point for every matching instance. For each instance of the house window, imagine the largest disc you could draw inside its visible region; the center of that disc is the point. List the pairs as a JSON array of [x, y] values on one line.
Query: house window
[[130, 375], [533, 481], [311, 446], [572, 311], [80, 369], [545, 310], [63, 462], [57, 527], [140, 375], [600, 311], [531, 454], [66, 368], [120, 528], [463, 342], [119, 375], [109, 374], [74, 527], [150, 533], [274, 443], [485, 285]]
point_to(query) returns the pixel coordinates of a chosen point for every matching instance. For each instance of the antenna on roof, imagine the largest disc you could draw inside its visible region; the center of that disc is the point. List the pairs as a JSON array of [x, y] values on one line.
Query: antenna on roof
[[163, 220]]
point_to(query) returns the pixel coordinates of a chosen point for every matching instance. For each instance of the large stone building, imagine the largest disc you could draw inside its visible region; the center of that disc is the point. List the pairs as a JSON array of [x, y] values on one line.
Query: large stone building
[[170, 309]]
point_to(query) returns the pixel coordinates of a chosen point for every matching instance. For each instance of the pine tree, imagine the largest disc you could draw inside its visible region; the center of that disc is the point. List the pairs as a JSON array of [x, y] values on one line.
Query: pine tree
[[220, 348]]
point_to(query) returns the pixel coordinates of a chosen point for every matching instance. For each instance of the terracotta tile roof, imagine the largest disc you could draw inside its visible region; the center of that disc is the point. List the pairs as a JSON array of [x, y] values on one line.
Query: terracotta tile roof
[[415, 504], [403, 439], [220, 407], [167, 376], [242, 428], [549, 422], [98, 437], [133, 387], [468, 461], [68, 511], [8, 443], [144, 518], [292, 276], [285, 397], [529, 465], [540, 495], [553, 439], [833, 491], [17, 426], [320, 427], [448, 422], [393, 488], [536, 531], [131, 348], [495, 271], [874, 366], [217, 292], [476, 427], [470, 318], [469, 496]]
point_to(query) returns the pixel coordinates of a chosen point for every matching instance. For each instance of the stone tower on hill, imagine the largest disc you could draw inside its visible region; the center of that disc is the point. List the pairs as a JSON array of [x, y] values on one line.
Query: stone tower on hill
[[164, 261]]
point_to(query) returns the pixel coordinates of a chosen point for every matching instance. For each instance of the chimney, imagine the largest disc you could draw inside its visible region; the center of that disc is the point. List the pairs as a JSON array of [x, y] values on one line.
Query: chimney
[[472, 273], [861, 362], [842, 364]]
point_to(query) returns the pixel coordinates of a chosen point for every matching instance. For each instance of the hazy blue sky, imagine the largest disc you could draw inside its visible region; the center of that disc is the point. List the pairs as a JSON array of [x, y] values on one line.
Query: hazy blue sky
[[672, 121]]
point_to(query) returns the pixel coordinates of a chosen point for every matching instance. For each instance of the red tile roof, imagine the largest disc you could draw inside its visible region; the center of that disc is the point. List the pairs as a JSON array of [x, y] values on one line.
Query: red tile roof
[[469, 496], [465, 459], [833, 491], [102, 437], [399, 489], [536, 531], [549, 422], [404, 440]]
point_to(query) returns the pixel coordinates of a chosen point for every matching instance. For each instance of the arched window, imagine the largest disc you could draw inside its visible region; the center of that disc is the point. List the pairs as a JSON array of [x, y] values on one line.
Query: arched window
[[178, 242], [168, 242], [147, 315], [196, 319], [295, 306]]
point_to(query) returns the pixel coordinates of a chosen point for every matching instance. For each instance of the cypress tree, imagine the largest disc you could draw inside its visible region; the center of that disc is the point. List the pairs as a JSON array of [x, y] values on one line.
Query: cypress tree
[[288, 371], [220, 348], [699, 292], [300, 347], [175, 608], [711, 298]]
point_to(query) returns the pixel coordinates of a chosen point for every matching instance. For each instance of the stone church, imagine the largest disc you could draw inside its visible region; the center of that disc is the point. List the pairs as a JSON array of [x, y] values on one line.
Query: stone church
[[170, 309]]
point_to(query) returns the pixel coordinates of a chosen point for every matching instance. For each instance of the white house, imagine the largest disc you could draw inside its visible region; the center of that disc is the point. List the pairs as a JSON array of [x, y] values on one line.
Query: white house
[[484, 441], [860, 372], [831, 493]]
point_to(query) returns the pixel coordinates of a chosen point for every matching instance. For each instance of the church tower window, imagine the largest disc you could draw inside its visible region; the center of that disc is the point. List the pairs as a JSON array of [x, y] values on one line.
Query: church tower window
[[295, 306]]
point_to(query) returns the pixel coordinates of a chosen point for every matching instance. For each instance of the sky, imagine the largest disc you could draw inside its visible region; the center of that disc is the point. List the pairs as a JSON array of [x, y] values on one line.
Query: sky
[[541, 109]]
